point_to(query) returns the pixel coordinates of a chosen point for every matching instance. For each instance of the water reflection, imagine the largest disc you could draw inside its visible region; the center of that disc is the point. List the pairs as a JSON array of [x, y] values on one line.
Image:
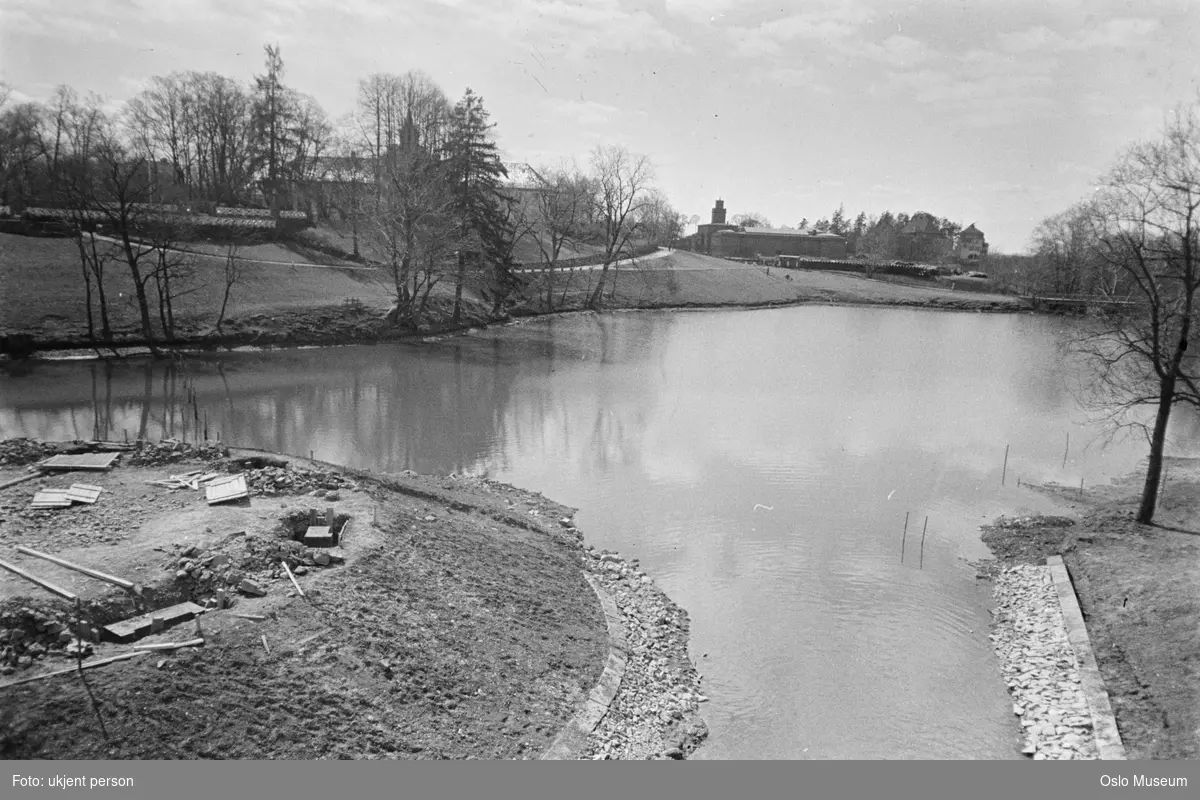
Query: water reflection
[[760, 465]]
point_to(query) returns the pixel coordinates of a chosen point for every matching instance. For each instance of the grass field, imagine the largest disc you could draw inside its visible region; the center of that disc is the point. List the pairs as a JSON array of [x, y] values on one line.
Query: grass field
[[43, 290]]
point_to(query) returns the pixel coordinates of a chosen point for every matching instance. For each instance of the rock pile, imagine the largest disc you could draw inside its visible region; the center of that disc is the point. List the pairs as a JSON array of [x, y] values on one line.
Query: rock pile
[[170, 451], [28, 634], [200, 572], [1039, 666], [285, 480], [655, 713], [19, 452]]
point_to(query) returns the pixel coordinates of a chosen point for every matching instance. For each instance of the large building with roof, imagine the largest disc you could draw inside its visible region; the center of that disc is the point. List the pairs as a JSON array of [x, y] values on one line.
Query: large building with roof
[[971, 245], [724, 240]]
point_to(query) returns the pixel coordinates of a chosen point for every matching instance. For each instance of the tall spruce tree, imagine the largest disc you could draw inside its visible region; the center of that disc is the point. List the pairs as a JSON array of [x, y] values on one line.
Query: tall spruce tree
[[478, 204]]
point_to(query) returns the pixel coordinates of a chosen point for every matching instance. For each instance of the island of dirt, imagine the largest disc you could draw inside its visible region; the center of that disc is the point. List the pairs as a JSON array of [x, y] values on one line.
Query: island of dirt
[[1138, 587], [450, 619]]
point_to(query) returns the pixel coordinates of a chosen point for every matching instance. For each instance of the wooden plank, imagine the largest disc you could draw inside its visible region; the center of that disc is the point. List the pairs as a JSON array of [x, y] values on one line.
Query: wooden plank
[[88, 665], [136, 627], [169, 645], [21, 479], [90, 461], [51, 498], [84, 493], [47, 585], [62, 562], [295, 583], [223, 492]]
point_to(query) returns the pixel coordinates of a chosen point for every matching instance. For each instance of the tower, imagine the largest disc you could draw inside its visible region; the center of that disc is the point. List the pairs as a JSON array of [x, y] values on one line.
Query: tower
[[718, 213]]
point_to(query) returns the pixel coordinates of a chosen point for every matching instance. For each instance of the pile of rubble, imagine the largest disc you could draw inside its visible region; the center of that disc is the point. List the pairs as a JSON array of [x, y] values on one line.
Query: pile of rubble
[[655, 713], [170, 451], [19, 452], [1039, 666], [30, 634], [249, 569], [285, 480]]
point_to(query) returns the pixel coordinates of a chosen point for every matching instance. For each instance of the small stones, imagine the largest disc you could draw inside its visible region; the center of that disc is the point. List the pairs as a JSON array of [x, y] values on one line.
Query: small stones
[[1039, 666]]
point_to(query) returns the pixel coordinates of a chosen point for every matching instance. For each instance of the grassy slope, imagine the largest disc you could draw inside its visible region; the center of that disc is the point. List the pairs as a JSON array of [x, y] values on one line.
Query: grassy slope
[[691, 279], [43, 291], [43, 294]]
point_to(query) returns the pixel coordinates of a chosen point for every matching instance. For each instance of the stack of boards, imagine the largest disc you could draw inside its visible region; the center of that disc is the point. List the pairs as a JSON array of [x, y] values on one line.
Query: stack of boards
[[62, 498]]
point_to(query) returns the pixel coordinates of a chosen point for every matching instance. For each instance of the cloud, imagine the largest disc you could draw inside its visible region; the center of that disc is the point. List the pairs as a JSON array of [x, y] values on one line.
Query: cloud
[[588, 113], [1117, 33], [576, 28]]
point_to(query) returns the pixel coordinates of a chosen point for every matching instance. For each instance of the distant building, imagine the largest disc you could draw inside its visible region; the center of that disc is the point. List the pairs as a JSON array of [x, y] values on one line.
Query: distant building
[[771, 242], [722, 239], [702, 240], [971, 245], [922, 239]]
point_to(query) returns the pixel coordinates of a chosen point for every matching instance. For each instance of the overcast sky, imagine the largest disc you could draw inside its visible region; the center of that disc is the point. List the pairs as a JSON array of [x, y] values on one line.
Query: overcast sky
[[998, 113]]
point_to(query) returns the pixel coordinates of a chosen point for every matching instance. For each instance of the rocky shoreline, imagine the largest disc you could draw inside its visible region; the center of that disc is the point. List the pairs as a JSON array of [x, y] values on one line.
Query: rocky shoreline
[[1040, 667], [655, 713]]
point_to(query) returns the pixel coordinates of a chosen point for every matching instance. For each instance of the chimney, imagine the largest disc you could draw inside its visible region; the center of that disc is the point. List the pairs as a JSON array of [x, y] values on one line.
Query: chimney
[[718, 213]]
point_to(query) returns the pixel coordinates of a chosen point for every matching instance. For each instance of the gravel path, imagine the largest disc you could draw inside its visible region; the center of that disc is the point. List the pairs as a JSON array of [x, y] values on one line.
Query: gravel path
[[1039, 666], [655, 713]]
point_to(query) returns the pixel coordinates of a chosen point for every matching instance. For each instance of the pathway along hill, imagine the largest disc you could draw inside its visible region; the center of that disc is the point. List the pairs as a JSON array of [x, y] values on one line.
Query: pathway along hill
[[453, 620], [292, 297]]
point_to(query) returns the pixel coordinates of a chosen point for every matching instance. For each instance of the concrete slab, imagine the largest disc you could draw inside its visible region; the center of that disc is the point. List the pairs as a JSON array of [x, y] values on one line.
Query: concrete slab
[[132, 629], [1104, 724]]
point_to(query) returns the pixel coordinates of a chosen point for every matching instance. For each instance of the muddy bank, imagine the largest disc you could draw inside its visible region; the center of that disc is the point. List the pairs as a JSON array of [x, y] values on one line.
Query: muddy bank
[[453, 620]]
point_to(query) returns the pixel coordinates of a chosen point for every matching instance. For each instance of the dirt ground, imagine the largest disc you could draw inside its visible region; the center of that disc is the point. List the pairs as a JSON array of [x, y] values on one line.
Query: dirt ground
[[1139, 589], [454, 620]]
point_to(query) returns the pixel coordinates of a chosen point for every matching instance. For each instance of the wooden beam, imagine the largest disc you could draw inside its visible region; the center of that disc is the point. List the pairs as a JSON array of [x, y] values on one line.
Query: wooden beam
[[88, 665], [169, 645], [21, 479], [293, 577], [62, 562], [47, 585]]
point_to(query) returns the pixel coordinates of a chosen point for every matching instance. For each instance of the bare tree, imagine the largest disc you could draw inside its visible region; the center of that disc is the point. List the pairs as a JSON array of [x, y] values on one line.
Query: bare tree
[[620, 182], [751, 219], [232, 272], [1146, 223], [551, 211]]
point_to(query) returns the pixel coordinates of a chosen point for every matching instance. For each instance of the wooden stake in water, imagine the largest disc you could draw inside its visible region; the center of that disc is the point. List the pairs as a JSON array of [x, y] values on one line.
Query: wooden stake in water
[[923, 542], [903, 536], [1066, 449], [1081, 487], [1005, 472]]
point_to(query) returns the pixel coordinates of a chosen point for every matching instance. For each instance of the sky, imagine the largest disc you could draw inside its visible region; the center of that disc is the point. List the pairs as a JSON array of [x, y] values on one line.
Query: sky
[[997, 113]]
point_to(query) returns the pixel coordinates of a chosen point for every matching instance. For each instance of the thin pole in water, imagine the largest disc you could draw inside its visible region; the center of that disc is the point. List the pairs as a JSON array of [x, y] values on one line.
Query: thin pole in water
[[1005, 472], [1081, 487], [1162, 487], [903, 536], [1066, 449], [923, 542]]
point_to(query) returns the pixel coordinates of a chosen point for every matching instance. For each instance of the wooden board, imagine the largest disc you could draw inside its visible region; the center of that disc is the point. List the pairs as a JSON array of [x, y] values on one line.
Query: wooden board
[[42, 582], [97, 461], [223, 491], [137, 627], [84, 493], [51, 498], [62, 562]]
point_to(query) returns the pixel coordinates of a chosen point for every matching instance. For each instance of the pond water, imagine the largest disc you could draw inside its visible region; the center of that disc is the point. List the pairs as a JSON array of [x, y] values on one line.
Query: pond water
[[760, 464]]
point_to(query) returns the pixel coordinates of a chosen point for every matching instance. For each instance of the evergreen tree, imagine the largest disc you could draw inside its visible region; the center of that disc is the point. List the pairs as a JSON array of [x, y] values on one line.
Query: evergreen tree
[[479, 207]]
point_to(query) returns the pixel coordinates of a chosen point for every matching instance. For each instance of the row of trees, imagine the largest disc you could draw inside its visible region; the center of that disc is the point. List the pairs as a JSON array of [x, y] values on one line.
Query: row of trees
[[415, 182]]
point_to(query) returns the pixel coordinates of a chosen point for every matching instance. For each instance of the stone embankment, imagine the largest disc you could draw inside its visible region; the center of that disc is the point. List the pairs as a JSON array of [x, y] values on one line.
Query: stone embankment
[[655, 713], [1040, 667]]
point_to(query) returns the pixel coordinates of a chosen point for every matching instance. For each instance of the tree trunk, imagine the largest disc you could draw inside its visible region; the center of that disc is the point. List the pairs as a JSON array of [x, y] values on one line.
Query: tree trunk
[[458, 286], [139, 285], [98, 269], [1158, 438], [87, 286]]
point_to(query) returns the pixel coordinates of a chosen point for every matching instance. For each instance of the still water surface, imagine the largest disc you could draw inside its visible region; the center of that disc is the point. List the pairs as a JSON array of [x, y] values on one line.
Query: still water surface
[[760, 464]]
